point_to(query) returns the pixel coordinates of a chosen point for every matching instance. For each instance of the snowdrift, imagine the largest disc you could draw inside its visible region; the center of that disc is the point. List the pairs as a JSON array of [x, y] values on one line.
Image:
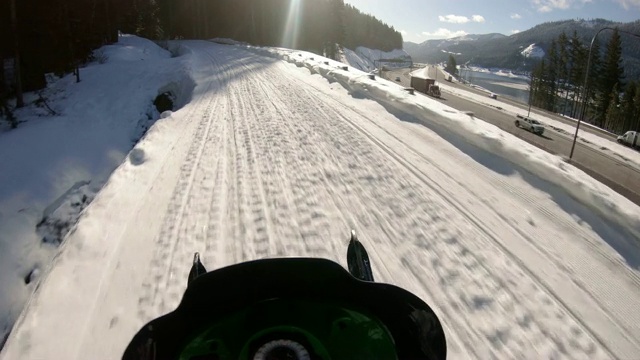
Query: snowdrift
[[53, 165], [365, 59]]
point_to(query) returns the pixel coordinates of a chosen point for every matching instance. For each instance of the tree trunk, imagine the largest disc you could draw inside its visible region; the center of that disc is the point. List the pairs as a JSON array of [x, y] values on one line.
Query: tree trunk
[[17, 72]]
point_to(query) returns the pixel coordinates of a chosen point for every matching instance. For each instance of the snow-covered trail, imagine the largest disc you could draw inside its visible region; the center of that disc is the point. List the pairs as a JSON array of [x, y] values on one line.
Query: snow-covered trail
[[269, 160]]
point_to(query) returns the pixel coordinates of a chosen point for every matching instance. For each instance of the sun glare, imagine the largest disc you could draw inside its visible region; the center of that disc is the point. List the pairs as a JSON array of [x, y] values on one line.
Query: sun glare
[[290, 36]]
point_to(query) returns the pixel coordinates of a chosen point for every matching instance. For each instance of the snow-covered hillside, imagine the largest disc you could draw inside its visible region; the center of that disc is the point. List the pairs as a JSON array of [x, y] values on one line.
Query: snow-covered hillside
[[533, 51], [366, 59], [280, 153], [53, 165]]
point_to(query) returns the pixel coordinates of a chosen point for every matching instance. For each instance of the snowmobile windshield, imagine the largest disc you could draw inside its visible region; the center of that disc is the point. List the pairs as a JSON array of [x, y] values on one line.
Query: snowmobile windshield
[[293, 308]]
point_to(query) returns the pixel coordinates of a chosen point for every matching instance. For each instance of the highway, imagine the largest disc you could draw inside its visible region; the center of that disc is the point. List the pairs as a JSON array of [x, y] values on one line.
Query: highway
[[615, 173]]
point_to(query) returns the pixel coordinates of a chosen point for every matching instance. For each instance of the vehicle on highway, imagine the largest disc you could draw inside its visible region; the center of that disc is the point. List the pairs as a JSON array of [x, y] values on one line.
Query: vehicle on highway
[[398, 78], [425, 85], [530, 124], [493, 96], [630, 138]]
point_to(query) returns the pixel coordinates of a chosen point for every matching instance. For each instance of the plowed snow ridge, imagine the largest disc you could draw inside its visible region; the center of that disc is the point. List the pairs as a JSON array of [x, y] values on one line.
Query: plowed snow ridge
[[270, 161]]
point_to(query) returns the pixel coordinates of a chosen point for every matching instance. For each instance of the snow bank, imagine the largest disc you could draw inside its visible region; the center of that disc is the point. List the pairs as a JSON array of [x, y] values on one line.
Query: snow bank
[[600, 198], [53, 165], [365, 59]]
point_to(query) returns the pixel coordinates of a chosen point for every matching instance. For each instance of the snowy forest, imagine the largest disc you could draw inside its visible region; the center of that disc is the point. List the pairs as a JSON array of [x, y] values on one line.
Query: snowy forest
[[557, 83], [58, 36]]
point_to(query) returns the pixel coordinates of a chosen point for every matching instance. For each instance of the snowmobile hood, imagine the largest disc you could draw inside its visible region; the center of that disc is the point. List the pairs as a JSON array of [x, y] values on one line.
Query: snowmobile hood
[[414, 327]]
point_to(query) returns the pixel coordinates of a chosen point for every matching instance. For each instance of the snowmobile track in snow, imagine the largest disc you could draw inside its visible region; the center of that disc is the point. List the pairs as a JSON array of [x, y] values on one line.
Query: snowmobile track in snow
[[162, 277], [524, 319], [247, 187], [380, 167], [491, 235]]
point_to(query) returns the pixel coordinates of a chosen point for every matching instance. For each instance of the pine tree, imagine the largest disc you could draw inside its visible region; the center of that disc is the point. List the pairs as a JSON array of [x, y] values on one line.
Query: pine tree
[[612, 74], [537, 87], [629, 106], [613, 114], [577, 66], [562, 82], [636, 111], [452, 67], [551, 78], [594, 63]]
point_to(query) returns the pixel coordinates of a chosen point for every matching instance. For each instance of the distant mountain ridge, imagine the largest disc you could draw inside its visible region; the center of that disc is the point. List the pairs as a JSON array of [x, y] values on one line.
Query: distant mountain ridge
[[506, 52]]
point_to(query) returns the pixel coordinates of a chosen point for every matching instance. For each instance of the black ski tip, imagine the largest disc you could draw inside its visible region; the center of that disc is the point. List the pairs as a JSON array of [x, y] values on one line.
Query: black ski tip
[[358, 262], [197, 269]]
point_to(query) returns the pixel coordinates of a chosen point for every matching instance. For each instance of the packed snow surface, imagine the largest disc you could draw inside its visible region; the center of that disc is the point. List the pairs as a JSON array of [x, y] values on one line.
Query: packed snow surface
[[281, 153]]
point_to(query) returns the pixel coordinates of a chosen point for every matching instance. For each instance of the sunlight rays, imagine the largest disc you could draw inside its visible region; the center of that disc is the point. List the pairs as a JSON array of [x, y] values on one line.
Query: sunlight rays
[[292, 26]]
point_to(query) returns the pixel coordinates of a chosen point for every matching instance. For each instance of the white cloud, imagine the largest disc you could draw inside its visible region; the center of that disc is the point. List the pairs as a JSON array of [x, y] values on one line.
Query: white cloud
[[444, 34], [545, 6], [516, 16], [514, 31], [403, 32], [550, 5], [629, 3], [454, 19], [459, 19]]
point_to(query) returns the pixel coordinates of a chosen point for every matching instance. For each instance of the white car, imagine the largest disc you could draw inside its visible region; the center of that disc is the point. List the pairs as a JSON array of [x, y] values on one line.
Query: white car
[[630, 138], [530, 124], [398, 78]]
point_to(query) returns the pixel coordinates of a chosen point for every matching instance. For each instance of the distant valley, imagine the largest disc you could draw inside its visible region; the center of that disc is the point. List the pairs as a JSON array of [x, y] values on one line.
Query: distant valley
[[519, 52]]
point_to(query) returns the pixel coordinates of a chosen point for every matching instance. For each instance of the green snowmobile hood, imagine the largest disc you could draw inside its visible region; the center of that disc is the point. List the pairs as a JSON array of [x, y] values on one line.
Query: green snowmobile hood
[[237, 311]]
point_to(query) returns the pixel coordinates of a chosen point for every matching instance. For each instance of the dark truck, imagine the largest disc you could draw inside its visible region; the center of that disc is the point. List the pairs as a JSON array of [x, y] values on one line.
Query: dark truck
[[425, 85]]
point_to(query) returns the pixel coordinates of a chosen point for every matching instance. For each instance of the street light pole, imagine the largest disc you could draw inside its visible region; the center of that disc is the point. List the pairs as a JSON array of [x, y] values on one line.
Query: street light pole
[[530, 94], [586, 77]]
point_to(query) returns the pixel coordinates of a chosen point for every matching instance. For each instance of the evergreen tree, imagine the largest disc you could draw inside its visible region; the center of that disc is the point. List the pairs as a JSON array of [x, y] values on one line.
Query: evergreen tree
[[452, 67], [562, 80], [550, 79], [635, 116], [612, 74], [594, 62], [613, 114], [629, 107], [577, 64], [537, 86]]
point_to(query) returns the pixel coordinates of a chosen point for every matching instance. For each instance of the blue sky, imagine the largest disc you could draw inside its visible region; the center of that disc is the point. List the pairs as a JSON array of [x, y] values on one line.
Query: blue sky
[[420, 20]]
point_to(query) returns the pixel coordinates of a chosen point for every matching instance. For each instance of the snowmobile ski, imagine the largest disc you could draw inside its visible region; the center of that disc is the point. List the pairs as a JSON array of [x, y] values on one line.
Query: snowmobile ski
[[197, 269], [358, 259]]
